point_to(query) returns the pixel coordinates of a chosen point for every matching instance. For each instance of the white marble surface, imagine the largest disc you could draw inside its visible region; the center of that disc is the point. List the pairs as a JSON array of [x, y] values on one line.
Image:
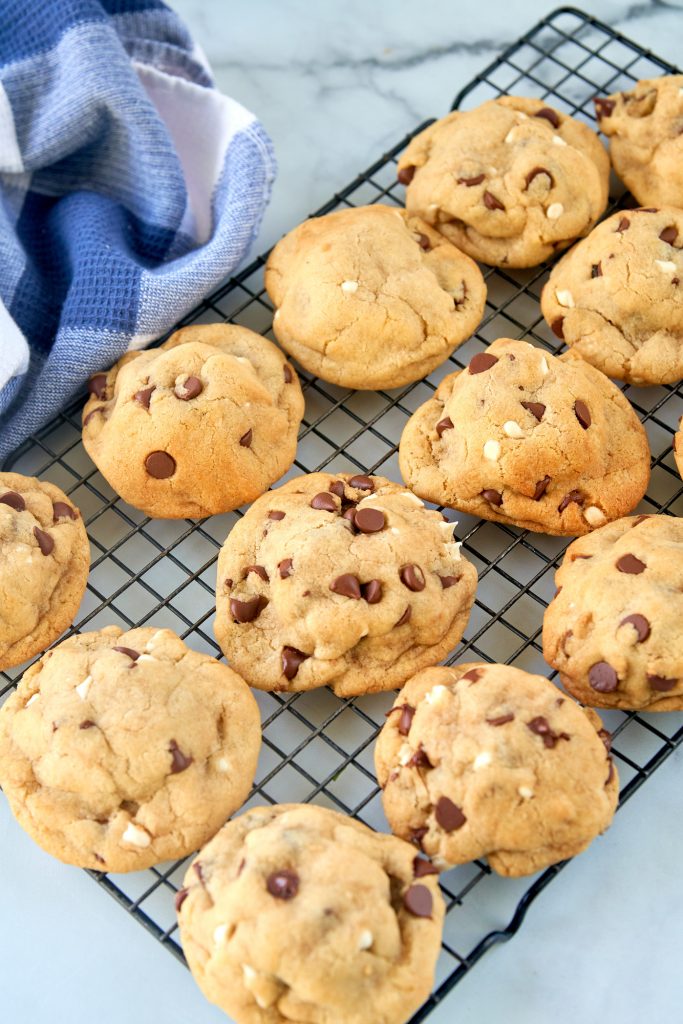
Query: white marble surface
[[336, 84]]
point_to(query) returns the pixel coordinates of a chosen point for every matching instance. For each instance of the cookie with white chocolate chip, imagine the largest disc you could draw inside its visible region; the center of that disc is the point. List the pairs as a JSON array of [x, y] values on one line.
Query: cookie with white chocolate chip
[[340, 580], [617, 297], [372, 297], [522, 437], [613, 628], [44, 562], [298, 913], [485, 760], [121, 750], [510, 183], [645, 130], [199, 426]]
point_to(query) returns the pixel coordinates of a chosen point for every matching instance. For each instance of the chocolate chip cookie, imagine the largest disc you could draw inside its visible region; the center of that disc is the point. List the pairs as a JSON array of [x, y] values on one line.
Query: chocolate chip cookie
[[488, 761], [199, 426], [511, 183], [645, 129], [44, 562], [372, 297], [613, 629], [526, 438], [616, 298], [298, 913], [340, 580], [121, 750]]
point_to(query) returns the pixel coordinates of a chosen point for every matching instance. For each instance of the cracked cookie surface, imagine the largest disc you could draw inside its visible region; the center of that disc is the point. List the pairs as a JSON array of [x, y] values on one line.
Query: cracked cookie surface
[[196, 427], [44, 562], [485, 760], [613, 628], [645, 130], [372, 297], [511, 182], [617, 299], [121, 750], [522, 437], [297, 913], [340, 580]]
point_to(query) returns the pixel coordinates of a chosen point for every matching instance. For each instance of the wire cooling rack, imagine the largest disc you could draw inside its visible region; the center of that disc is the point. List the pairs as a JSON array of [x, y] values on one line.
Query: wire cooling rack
[[317, 747]]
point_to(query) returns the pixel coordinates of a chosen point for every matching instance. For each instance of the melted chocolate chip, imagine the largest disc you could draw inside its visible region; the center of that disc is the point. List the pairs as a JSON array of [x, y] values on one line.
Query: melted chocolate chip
[[289, 375], [347, 585], [45, 541], [534, 174], [481, 362], [179, 761], [246, 439], [603, 108], [227, 583], [661, 683], [473, 674], [274, 514], [283, 884], [291, 660], [501, 719], [412, 577], [160, 465], [93, 412], [449, 581], [469, 182], [623, 225], [128, 651], [369, 520], [610, 771], [557, 327], [406, 174], [406, 719], [417, 835], [606, 738], [448, 815], [422, 867], [418, 901], [97, 385], [541, 727], [285, 568], [493, 497], [669, 234], [180, 898], [596, 270], [259, 570], [144, 396], [491, 202], [550, 115], [362, 483], [640, 624], [405, 617], [372, 591], [14, 500], [87, 724], [630, 565], [60, 510], [445, 424], [582, 413], [189, 390], [602, 677], [324, 502], [247, 611], [574, 497], [535, 408], [198, 869], [423, 241], [541, 488]]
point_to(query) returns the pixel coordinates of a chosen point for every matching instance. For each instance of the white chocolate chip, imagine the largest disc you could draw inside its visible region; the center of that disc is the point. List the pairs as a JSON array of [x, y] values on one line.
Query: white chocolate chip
[[558, 140], [432, 208], [154, 639], [526, 792], [31, 700], [522, 117], [220, 934], [276, 315], [365, 939], [482, 760], [395, 530], [146, 657], [349, 287], [222, 764], [243, 359], [412, 497], [405, 754], [512, 134], [248, 973], [668, 266], [492, 451], [554, 211], [544, 365], [82, 688], [436, 694], [136, 836], [513, 429], [564, 297], [594, 516]]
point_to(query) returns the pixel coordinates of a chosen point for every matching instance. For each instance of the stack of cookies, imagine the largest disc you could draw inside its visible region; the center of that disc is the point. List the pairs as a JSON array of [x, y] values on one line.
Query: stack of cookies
[[120, 750]]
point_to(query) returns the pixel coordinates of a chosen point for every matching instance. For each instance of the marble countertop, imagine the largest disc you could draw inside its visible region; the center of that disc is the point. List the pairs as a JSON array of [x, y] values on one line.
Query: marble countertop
[[335, 85]]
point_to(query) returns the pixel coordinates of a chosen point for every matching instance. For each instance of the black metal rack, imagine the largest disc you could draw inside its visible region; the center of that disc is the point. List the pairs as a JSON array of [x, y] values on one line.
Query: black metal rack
[[316, 746]]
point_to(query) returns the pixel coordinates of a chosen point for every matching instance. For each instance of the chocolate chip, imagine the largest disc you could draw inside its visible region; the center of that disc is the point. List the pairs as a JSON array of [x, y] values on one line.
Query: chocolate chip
[[574, 497], [259, 570], [189, 389], [406, 719], [372, 591], [420, 759], [337, 487], [602, 677], [347, 585], [550, 115], [160, 465], [245, 440], [535, 408], [405, 617], [349, 514], [60, 510], [369, 520], [582, 413], [534, 174], [493, 497], [422, 867], [491, 202], [97, 385], [180, 898], [606, 738], [472, 675], [406, 174], [285, 568], [289, 376], [603, 108], [247, 611], [417, 835], [45, 541], [14, 500], [596, 270], [128, 651], [362, 483], [412, 577], [501, 719], [276, 515], [93, 412], [445, 424], [283, 884], [179, 761], [669, 234], [448, 815], [418, 901], [291, 660], [198, 869], [423, 241], [661, 683], [144, 396], [640, 624], [557, 327], [541, 488], [623, 225], [324, 502], [541, 727], [227, 583], [87, 724], [481, 362], [449, 581], [631, 565], [476, 180]]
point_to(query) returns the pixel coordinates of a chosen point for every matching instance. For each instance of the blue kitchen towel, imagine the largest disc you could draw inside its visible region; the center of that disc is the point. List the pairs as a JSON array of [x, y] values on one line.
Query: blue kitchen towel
[[129, 187]]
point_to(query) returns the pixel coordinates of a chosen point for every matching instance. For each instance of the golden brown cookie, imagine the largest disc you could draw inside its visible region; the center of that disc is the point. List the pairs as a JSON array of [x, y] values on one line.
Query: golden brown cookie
[[613, 629], [526, 438], [298, 913], [200, 425], [44, 562], [511, 182], [372, 297], [340, 580], [488, 761], [121, 750]]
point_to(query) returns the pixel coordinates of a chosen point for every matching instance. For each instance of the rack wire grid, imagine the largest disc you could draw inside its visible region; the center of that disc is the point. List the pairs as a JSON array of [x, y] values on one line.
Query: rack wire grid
[[317, 747]]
